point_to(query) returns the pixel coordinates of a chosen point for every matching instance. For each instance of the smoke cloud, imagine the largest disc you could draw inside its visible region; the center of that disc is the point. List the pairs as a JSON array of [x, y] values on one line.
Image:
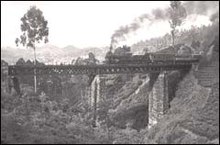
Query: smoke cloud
[[200, 7], [157, 14], [208, 8], [214, 17]]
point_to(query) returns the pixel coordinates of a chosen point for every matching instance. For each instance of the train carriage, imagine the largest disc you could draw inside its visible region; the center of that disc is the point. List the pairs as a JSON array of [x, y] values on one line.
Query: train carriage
[[160, 58], [149, 58]]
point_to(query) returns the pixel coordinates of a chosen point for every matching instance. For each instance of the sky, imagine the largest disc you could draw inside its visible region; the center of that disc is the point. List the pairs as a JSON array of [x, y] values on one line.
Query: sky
[[83, 23]]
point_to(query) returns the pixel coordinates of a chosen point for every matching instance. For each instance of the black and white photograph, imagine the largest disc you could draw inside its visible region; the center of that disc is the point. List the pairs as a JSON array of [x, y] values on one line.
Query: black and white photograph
[[109, 72]]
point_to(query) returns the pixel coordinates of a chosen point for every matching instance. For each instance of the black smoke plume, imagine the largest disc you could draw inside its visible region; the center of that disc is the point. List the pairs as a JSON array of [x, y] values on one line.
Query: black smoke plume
[[119, 35]]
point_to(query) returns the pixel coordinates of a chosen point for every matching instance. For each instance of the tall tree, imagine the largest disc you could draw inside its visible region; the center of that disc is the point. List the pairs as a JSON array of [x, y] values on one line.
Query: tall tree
[[20, 61], [34, 30], [177, 15]]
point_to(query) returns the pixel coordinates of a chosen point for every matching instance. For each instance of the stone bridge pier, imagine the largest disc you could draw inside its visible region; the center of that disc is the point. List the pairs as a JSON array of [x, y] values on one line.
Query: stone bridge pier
[[96, 91], [162, 91], [158, 102]]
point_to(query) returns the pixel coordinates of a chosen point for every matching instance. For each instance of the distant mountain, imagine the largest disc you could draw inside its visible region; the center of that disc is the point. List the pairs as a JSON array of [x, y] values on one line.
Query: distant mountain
[[11, 55], [51, 54]]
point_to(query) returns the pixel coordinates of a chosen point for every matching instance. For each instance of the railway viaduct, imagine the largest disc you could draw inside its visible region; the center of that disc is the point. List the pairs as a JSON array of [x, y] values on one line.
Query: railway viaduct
[[158, 99]]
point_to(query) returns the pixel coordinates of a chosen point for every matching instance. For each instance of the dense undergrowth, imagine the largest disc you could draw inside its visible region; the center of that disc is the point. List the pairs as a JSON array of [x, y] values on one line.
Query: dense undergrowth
[[37, 119]]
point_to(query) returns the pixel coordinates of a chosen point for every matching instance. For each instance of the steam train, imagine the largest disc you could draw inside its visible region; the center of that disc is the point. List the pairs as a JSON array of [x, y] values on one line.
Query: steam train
[[148, 58]]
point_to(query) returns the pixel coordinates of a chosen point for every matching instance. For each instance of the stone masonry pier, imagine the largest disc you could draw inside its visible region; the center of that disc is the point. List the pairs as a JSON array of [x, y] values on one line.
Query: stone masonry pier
[[158, 99]]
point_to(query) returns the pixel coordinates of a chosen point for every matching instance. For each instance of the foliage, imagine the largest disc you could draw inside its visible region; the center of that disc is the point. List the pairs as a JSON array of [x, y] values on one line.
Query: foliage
[[177, 14], [192, 117], [34, 28], [204, 34], [4, 71], [21, 61], [38, 119], [91, 60], [126, 136]]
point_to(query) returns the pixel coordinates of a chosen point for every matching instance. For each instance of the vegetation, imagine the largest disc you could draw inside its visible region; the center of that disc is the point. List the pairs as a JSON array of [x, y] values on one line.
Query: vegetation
[[67, 117], [177, 14], [91, 60], [34, 29], [204, 35], [38, 119], [191, 117]]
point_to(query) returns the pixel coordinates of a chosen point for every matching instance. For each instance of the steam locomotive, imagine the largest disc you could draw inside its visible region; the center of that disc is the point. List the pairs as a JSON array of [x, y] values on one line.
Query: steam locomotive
[[148, 58]]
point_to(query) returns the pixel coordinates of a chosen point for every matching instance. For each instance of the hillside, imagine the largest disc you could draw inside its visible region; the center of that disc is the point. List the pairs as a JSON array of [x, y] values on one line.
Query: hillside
[[193, 115], [130, 103], [203, 34], [50, 53]]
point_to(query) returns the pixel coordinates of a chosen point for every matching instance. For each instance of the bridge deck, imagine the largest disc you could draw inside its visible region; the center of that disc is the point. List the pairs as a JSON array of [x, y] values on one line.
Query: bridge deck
[[15, 70]]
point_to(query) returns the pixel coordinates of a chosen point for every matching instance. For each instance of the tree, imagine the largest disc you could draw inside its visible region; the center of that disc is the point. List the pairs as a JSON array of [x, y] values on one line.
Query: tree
[[110, 48], [34, 29], [4, 66], [20, 61], [29, 62], [177, 15], [91, 60], [146, 50]]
